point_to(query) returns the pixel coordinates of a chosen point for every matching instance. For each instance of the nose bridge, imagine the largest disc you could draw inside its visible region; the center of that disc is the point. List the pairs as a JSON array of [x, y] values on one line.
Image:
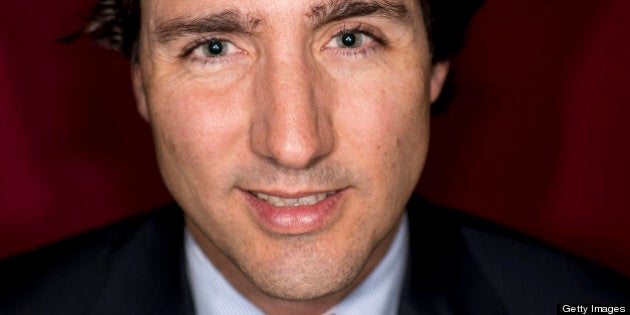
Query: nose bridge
[[289, 84], [291, 127]]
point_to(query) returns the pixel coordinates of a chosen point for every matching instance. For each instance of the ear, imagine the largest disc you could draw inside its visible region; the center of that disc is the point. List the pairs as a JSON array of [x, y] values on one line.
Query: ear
[[138, 91], [438, 76]]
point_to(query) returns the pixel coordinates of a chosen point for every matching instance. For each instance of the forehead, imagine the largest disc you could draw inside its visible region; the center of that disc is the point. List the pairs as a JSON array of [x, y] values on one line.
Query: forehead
[[264, 10]]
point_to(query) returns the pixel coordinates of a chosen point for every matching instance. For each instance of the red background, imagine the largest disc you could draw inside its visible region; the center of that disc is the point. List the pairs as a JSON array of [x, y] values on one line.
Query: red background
[[536, 137]]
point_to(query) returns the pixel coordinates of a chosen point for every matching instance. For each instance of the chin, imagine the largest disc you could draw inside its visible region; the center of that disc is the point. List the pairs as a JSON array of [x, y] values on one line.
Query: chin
[[307, 273]]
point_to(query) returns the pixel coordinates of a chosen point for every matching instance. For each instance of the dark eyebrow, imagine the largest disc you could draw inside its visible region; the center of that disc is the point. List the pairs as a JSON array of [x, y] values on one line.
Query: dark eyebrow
[[336, 10], [225, 21]]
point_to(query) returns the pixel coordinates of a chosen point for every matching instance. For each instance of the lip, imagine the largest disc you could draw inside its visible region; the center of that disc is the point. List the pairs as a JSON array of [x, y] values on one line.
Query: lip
[[294, 220]]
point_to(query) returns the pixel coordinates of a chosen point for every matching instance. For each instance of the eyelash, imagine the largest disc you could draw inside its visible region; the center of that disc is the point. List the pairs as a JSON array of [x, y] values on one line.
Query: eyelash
[[196, 44], [359, 51]]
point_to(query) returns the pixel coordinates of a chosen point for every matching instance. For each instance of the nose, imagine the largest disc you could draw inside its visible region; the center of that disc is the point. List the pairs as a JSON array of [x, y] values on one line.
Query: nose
[[292, 125]]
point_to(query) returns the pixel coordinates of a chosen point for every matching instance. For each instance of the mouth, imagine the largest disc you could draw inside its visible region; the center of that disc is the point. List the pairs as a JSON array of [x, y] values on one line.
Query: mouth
[[294, 213], [304, 200]]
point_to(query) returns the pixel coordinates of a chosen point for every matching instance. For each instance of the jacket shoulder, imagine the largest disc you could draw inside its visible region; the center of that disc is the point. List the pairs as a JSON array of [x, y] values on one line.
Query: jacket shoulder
[[531, 276], [78, 274], [476, 265]]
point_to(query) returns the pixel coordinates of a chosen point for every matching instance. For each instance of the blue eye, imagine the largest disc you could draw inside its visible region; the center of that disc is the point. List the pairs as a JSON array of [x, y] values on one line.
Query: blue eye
[[350, 40], [213, 48], [212, 51]]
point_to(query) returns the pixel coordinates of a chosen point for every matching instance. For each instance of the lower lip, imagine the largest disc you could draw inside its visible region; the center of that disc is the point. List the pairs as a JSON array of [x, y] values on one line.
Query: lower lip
[[295, 220]]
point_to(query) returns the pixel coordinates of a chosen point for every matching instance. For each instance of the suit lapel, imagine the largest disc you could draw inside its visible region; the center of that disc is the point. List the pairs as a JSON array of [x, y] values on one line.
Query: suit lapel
[[442, 277], [146, 273]]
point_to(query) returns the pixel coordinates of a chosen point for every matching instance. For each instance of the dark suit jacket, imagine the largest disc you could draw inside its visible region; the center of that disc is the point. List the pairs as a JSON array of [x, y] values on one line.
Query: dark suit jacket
[[458, 265]]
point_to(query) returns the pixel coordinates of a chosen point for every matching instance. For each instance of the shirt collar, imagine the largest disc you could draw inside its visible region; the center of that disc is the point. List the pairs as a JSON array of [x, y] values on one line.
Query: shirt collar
[[379, 293]]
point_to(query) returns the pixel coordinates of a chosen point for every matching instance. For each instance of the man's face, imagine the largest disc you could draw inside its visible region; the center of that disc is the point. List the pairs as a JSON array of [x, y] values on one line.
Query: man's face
[[292, 133]]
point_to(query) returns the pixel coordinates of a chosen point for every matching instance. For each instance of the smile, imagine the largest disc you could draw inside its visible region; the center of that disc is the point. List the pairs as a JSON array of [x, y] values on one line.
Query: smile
[[295, 213], [307, 200]]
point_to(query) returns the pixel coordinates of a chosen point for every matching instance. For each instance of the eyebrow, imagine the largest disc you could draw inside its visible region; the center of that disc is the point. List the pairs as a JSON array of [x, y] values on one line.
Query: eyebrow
[[234, 21], [229, 21], [337, 10]]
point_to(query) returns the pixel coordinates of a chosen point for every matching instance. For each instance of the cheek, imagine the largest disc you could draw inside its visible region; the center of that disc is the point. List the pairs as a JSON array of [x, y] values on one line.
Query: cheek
[[198, 116], [197, 131], [384, 132], [387, 124], [196, 111]]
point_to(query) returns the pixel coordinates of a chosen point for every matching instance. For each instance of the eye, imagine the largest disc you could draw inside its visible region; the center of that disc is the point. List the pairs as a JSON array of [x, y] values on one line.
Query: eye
[[213, 48], [350, 40]]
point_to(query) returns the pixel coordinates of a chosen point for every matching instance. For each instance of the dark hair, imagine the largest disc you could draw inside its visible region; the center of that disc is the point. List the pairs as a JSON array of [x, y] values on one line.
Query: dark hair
[[115, 24], [446, 22]]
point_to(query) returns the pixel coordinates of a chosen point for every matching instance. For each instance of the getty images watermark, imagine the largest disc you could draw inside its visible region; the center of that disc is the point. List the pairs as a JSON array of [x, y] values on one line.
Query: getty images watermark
[[586, 309]]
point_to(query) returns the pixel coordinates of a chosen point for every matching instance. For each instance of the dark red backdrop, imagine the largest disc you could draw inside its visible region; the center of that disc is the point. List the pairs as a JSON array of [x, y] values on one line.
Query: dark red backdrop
[[536, 137]]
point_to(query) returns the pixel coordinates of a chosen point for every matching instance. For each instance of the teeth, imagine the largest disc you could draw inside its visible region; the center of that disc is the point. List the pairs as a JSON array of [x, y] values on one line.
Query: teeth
[[292, 202]]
